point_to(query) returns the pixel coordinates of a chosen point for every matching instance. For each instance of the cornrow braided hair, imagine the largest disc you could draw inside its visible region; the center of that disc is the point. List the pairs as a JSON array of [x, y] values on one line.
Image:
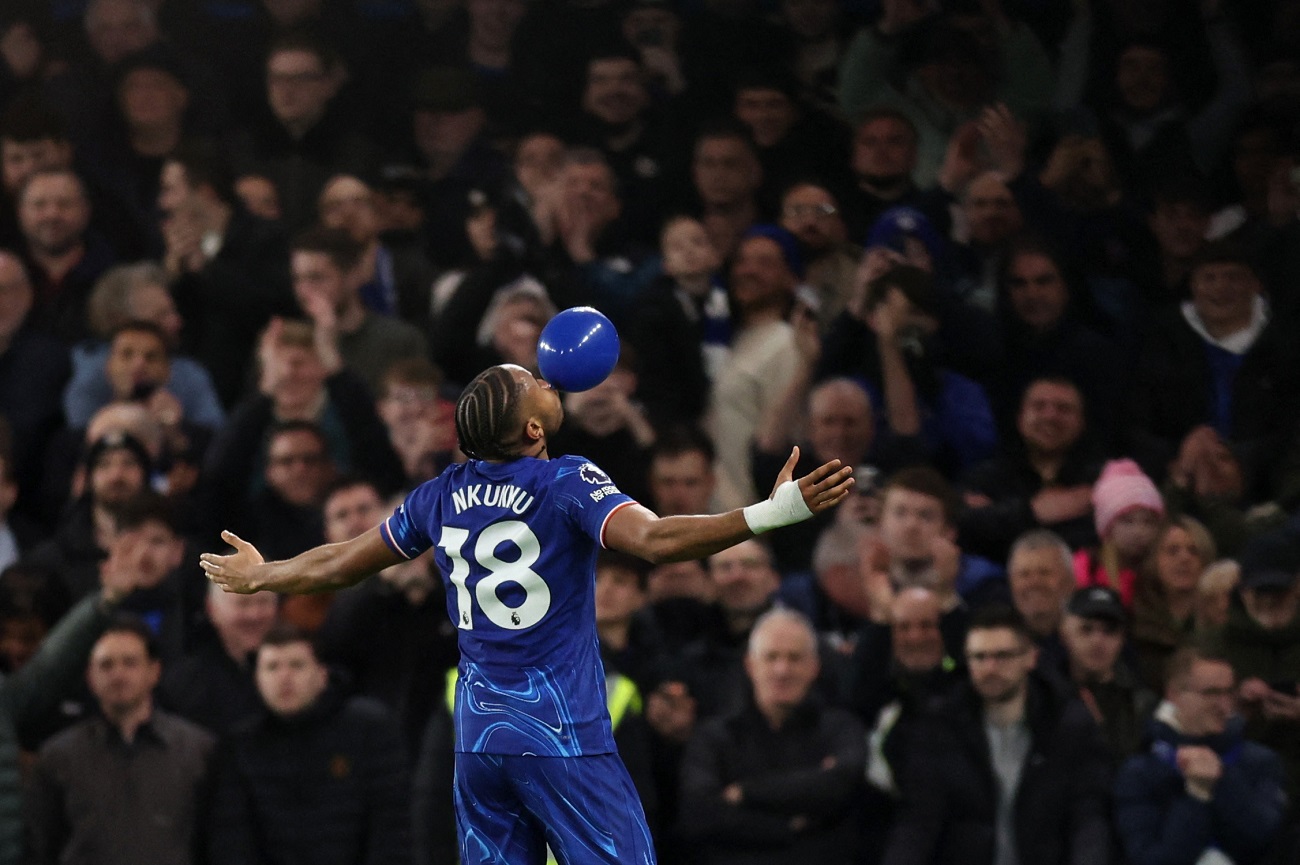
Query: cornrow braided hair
[[487, 414]]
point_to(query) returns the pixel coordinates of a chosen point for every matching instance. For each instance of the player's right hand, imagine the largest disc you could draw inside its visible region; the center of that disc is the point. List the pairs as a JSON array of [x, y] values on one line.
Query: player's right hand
[[236, 572]]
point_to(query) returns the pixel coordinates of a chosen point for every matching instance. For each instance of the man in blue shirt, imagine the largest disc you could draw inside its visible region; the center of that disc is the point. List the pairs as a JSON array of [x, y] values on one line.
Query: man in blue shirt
[[516, 535]]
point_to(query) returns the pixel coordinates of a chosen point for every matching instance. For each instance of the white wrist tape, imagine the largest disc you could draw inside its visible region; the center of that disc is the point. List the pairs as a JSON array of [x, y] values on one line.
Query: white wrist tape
[[785, 508]]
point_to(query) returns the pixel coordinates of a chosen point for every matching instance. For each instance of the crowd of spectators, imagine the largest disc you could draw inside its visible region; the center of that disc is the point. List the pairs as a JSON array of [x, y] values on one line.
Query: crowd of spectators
[[1032, 267]]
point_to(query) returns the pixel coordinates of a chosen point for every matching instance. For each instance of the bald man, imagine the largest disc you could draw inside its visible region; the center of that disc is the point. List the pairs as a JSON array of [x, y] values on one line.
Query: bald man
[[838, 422], [774, 782]]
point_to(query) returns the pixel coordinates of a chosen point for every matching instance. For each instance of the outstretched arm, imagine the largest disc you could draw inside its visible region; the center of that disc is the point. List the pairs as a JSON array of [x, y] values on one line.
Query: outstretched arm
[[320, 569], [639, 531]]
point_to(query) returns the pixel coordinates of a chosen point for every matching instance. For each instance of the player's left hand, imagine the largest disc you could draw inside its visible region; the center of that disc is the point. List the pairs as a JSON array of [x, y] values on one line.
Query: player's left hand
[[823, 487], [236, 572]]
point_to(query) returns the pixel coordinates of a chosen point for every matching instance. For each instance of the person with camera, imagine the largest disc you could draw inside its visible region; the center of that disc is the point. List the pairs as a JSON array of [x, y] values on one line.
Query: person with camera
[[889, 335]]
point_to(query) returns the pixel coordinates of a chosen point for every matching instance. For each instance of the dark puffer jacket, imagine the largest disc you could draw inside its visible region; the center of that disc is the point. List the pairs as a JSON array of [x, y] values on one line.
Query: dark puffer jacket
[[329, 786], [1159, 823], [950, 791]]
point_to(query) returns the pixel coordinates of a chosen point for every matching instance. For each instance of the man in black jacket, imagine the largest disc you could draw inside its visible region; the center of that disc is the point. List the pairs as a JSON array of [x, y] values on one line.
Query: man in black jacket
[[317, 778], [1009, 770], [775, 782]]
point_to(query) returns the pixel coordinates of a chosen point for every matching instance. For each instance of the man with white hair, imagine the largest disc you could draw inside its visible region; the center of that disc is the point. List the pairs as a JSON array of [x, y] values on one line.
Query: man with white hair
[[774, 782]]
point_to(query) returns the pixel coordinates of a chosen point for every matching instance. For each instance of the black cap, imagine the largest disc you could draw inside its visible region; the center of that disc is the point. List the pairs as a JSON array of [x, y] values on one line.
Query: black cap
[[1097, 602], [1270, 562], [117, 440]]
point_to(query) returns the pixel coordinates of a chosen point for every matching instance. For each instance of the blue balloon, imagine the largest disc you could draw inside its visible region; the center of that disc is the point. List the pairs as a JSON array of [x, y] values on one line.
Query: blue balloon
[[577, 349]]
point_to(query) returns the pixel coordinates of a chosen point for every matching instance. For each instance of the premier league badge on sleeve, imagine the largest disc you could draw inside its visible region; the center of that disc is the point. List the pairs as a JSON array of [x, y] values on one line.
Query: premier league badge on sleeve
[[593, 475]]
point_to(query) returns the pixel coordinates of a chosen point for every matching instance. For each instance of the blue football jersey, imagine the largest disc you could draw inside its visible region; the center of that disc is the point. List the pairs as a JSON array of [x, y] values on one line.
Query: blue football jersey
[[517, 543]]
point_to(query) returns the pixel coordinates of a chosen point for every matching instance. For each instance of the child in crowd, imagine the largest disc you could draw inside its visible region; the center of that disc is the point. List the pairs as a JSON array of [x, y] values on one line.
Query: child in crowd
[[1128, 510]]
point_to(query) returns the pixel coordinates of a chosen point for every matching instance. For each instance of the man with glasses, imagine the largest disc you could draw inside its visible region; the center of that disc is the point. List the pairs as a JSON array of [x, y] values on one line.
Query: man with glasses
[[1202, 793], [810, 212], [1010, 770], [1093, 634]]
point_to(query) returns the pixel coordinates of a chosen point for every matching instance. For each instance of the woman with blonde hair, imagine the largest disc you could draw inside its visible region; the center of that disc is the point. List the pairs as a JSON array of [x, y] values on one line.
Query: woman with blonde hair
[[1167, 594]]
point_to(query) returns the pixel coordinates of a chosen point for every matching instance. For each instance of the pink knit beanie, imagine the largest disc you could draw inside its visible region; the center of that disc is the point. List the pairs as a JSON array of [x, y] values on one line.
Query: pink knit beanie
[[1122, 487]]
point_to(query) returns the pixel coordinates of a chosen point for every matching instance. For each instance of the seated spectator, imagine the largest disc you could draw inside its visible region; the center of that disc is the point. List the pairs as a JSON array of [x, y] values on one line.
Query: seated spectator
[[128, 784], [746, 585], [821, 32], [1099, 227], [418, 416], [1009, 760], [148, 546], [402, 276], [764, 275], [680, 475], [629, 642], [957, 67], [1042, 478], [33, 370], [775, 782], [915, 546], [811, 213], [968, 335], [152, 111], [1149, 123], [330, 269], [837, 555], [896, 314], [63, 255], [1203, 792], [1127, 510], [305, 137], [794, 141], [296, 385], [1093, 634], [230, 268], [117, 470], [32, 695], [283, 514], [618, 116], [726, 175], [1041, 576], [32, 600], [1044, 335], [137, 369], [319, 776], [1177, 222], [453, 153], [391, 634], [1262, 642], [832, 420], [1217, 372], [34, 137], [897, 670], [1166, 605], [992, 217], [883, 160], [681, 326], [590, 253], [212, 683], [133, 293], [606, 425], [1215, 591]]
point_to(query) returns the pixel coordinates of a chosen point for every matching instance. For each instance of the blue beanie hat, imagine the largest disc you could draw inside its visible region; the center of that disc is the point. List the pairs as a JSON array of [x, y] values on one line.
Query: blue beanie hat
[[897, 223], [785, 240]]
